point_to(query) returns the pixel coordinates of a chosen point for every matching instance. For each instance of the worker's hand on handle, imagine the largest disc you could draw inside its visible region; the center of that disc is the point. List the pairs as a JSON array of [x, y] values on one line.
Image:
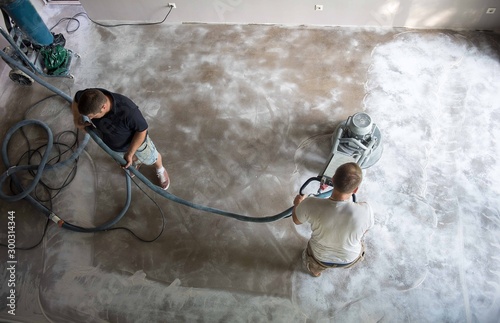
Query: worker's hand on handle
[[129, 159], [299, 198], [78, 119], [80, 123]]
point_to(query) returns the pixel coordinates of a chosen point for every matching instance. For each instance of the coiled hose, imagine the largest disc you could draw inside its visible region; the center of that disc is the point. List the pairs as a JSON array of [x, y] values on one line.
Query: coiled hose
[[25, 191]]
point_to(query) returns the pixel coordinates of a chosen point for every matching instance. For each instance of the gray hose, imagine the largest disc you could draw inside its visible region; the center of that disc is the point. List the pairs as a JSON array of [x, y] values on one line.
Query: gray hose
[[25, 191], [179, 200], [153, 187]]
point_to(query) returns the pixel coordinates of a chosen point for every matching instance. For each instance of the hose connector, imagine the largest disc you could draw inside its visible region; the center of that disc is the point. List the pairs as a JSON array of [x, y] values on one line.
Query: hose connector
[[56, 219]]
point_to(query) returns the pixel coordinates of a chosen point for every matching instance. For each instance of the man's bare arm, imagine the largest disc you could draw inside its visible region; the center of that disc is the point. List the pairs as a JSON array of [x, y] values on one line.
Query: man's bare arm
[[137, 141], [298, 199]]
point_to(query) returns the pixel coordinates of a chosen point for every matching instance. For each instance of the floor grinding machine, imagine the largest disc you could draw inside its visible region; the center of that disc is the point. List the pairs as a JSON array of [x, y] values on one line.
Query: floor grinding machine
[[32, 44], [356, 139]]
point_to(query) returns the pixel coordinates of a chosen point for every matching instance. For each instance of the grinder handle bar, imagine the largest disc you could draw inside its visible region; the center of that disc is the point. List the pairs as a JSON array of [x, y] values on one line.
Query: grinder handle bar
[[318, 178]]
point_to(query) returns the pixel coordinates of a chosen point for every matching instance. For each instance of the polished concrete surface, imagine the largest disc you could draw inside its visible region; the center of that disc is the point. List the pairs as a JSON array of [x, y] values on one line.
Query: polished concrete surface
[[243, 115]]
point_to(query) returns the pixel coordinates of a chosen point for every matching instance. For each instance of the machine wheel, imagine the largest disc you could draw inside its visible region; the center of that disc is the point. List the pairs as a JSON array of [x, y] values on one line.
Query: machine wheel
[[20, 77]]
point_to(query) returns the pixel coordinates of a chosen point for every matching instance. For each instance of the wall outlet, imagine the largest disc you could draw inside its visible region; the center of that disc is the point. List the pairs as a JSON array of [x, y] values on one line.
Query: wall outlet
[[491, 11], [172, 4], [318, 7]]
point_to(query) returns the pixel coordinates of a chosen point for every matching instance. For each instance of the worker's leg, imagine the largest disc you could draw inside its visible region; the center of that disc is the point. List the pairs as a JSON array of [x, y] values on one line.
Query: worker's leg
[[148, 155]]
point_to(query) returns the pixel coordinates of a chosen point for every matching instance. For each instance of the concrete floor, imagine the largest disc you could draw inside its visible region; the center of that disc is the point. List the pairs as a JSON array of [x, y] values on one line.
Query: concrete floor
[[243, 116]]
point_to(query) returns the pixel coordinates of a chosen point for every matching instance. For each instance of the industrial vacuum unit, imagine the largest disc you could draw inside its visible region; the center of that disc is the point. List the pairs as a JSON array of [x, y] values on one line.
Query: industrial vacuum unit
[[32, 44]]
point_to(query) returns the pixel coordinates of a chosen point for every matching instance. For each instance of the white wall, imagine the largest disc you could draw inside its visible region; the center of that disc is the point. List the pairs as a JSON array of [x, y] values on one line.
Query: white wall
[[454, 14]]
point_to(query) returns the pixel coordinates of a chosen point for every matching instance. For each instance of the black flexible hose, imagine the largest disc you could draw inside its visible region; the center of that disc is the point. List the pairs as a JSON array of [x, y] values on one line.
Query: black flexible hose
[[317, 178], [322, 195]]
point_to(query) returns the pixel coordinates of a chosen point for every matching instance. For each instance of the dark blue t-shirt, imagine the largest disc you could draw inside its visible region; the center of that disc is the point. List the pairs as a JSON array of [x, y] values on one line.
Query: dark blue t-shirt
[[120, 124]]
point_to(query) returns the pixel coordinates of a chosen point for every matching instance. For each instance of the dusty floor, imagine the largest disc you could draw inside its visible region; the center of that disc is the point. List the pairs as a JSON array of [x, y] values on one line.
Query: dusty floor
[[243, 116]]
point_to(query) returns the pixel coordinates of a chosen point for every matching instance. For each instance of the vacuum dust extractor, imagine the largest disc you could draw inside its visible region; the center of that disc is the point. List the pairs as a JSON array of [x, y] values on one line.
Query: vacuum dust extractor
[[32, 44]]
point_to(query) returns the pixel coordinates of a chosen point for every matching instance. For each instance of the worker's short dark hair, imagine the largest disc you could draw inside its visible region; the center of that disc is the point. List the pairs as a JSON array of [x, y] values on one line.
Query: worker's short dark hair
[[91, 102], [347, 178]]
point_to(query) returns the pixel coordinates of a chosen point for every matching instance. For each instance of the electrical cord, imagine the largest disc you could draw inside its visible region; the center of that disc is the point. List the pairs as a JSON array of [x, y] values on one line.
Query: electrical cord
[[74, 19], [69, 20], [130, 24], [159, 208], [35, 245], [31, 153]]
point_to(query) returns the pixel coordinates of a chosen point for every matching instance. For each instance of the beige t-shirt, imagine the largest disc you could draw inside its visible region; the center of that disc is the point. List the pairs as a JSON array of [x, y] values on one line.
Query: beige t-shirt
[[337, 227]]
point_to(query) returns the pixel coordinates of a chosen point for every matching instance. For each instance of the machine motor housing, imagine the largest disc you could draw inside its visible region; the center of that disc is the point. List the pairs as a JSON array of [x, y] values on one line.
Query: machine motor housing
[[356, 139]]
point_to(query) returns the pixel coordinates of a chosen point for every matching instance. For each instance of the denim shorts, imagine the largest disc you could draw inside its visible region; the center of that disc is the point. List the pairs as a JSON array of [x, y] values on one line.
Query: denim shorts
[[146, 153]]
